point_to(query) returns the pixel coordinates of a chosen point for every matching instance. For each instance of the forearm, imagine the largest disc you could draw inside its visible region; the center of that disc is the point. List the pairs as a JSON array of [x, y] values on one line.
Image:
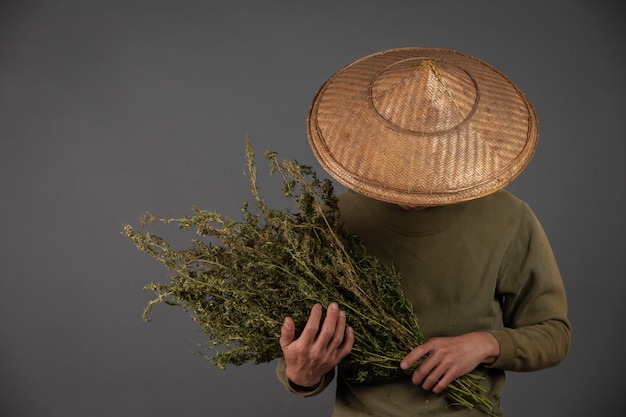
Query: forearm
[[533, 347]]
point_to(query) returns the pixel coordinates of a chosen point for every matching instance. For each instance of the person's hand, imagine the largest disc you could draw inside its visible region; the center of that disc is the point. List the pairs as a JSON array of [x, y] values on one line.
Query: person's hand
[[320, 347], [447, 358]]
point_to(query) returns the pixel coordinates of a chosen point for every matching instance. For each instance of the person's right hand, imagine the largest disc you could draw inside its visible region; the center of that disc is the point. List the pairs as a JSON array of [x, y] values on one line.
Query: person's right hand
[[318, 349]]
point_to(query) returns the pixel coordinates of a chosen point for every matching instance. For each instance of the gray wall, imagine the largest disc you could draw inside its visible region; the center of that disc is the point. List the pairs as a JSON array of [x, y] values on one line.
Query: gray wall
[[111, 108]]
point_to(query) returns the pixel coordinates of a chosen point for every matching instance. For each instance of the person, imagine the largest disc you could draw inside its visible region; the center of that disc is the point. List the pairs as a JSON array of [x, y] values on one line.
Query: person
[[425, 141]]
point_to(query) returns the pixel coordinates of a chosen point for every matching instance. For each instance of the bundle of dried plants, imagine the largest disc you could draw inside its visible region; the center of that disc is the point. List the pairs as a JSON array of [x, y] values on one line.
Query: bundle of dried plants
[[241, 278]]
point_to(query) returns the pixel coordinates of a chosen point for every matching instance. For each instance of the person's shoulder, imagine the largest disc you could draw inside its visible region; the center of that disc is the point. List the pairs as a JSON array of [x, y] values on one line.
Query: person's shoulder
[[500, 209]]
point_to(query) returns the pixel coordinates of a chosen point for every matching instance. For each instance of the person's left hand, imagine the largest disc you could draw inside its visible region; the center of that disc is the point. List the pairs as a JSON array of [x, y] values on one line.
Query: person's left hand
[[447, 358]]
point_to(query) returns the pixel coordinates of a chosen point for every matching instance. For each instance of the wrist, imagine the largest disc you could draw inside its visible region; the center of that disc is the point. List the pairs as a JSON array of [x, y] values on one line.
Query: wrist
[[492, 348], [304, 388], [307, 383]]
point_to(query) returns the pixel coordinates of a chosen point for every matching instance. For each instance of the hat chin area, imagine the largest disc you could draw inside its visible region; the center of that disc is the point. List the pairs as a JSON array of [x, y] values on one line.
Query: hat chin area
[[422, 127]]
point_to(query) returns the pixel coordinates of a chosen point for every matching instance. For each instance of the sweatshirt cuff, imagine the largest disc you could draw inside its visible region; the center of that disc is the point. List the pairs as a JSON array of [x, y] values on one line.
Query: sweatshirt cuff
[[507, 349]]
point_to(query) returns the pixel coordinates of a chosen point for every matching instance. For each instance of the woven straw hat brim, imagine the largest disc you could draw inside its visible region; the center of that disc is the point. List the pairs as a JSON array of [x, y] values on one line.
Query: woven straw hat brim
[[422, 126]]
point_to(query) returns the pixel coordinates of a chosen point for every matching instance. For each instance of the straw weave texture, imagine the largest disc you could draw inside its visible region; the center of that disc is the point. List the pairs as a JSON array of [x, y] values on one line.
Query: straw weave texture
[[422, 126]]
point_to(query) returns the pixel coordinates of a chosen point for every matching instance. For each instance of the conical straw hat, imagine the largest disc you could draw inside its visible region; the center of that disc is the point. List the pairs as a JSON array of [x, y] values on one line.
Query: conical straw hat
[[422, 126]]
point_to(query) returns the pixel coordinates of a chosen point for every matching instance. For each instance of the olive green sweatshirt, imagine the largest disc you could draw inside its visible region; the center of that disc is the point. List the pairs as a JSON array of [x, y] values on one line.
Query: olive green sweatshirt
[[482, 265]]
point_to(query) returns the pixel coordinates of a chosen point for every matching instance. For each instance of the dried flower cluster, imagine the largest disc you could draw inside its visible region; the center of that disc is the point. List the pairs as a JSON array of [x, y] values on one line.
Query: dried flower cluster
[[242, 278]]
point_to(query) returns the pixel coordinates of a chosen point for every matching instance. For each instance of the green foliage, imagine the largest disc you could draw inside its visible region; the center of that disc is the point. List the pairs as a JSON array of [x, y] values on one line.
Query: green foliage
[[274, 264]]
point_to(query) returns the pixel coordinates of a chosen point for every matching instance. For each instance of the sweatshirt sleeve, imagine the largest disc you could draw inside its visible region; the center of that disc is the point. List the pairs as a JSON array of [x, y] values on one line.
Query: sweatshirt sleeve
[[282, 377], [536, 332]]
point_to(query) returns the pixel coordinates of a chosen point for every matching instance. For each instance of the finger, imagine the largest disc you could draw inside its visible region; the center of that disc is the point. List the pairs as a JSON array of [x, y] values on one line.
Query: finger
[[327, 332], [312, 325], [340, 331], [287, 333], [428, 377], [414, 356], [424, 355], [346, 346], [422, 372], [443, 383]]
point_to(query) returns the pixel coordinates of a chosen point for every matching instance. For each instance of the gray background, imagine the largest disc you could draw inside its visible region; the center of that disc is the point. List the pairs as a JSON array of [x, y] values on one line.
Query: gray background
[[112, 108]]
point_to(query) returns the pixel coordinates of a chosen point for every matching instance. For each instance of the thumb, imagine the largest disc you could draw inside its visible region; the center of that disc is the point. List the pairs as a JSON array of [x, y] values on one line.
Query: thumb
[[287, 333]]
